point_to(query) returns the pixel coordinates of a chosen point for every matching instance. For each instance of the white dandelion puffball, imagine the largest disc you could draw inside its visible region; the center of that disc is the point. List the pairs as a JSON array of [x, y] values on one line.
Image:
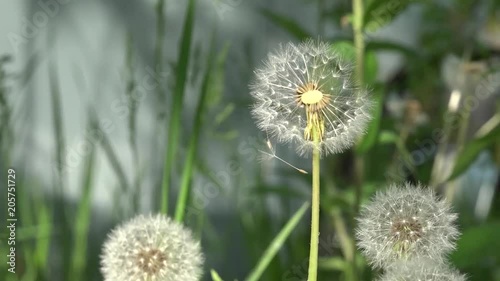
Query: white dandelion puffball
[[422, 270], [307, 91], [404, 223], [151, 248]]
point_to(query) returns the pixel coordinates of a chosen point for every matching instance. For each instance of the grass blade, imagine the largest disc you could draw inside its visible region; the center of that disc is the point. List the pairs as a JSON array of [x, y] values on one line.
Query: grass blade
[[178, 98], [371, 137], [187, 172], [82, 221], [115, 164], [60, 181], [287, 24], [215, 276], [471, 150], [276, 244]]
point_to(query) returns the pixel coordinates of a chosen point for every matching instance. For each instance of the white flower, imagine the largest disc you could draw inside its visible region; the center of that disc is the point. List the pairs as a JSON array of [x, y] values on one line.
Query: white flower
[[151, 248], [422, 270], [306, 86], [405, 223]]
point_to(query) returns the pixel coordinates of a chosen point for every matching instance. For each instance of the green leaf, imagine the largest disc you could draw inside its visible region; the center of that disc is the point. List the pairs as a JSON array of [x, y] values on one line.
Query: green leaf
[[177, 102], [82, 220], [287, 24], [472, 150], [387, 137], [371, 136], [45, 227], [381, 12], [391, 46], [348, 52], [276, 244], [187, 172], [224, 113], [332, 263], [371, 67], [477, 244], [215, 275]]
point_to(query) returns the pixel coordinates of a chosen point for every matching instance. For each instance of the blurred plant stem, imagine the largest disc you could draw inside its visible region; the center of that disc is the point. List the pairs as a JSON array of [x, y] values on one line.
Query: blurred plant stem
[[276, 245], [347, 245], [187, 173], [313, 254], [402, 151], [445, 149], [132, 120], [359, 44], [57, 118], [346, 242], [160, 37], [359, 162], [174, 124], [321, 18]]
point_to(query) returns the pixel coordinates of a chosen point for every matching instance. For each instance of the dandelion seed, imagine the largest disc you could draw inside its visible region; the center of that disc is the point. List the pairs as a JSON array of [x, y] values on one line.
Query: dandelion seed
[[405, 223], [422, 270], [306, 90], [151, 248]]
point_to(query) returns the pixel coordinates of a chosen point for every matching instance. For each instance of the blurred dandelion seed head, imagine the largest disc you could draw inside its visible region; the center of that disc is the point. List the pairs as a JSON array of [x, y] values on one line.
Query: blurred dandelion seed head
[[307, 89], [151, 248], [404, 223], [422, 270]]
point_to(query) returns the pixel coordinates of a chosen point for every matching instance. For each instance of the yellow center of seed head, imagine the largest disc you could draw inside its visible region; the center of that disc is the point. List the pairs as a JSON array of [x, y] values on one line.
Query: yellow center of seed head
[[313, 100], [311, 97]]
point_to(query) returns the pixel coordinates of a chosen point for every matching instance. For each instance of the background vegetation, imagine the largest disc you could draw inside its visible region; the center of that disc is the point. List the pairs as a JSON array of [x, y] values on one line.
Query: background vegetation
[[437, 121]]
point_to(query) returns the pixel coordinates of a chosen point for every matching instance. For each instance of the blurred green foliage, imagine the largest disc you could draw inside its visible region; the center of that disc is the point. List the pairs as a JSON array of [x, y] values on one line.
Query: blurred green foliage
[[55, 239]]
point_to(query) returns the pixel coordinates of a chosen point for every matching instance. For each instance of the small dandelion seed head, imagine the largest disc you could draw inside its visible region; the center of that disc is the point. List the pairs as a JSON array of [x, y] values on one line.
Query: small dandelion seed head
[[151, 248], [304, 86], [421, 270], [405, 223]]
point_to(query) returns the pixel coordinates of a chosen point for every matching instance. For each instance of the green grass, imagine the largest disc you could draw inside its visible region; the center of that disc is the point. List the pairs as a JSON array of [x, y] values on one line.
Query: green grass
[[57, 239]]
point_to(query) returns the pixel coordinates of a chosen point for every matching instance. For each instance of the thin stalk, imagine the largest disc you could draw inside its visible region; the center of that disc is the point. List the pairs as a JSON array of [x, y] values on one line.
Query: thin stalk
[[347, 245], [359, 161], [132, 120], [189, 164], [276, 245], [177, 101], [160, 38], [313, 254], [359, 44]]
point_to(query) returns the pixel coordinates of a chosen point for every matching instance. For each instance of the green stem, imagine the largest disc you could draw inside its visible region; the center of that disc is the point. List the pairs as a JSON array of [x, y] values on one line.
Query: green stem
[[313, 254], [187, 173], [359, 44], [177, 101], [359, 161]]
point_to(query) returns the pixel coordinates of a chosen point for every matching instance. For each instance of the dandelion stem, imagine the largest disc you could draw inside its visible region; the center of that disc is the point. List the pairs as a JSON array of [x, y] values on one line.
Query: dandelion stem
[[313, 254], [359, 162]]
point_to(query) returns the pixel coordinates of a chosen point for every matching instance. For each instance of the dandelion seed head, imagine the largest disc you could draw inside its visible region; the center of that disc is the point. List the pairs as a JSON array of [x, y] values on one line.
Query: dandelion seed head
[[405, 223], [304, 86], [151, 248], [421, 270]]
